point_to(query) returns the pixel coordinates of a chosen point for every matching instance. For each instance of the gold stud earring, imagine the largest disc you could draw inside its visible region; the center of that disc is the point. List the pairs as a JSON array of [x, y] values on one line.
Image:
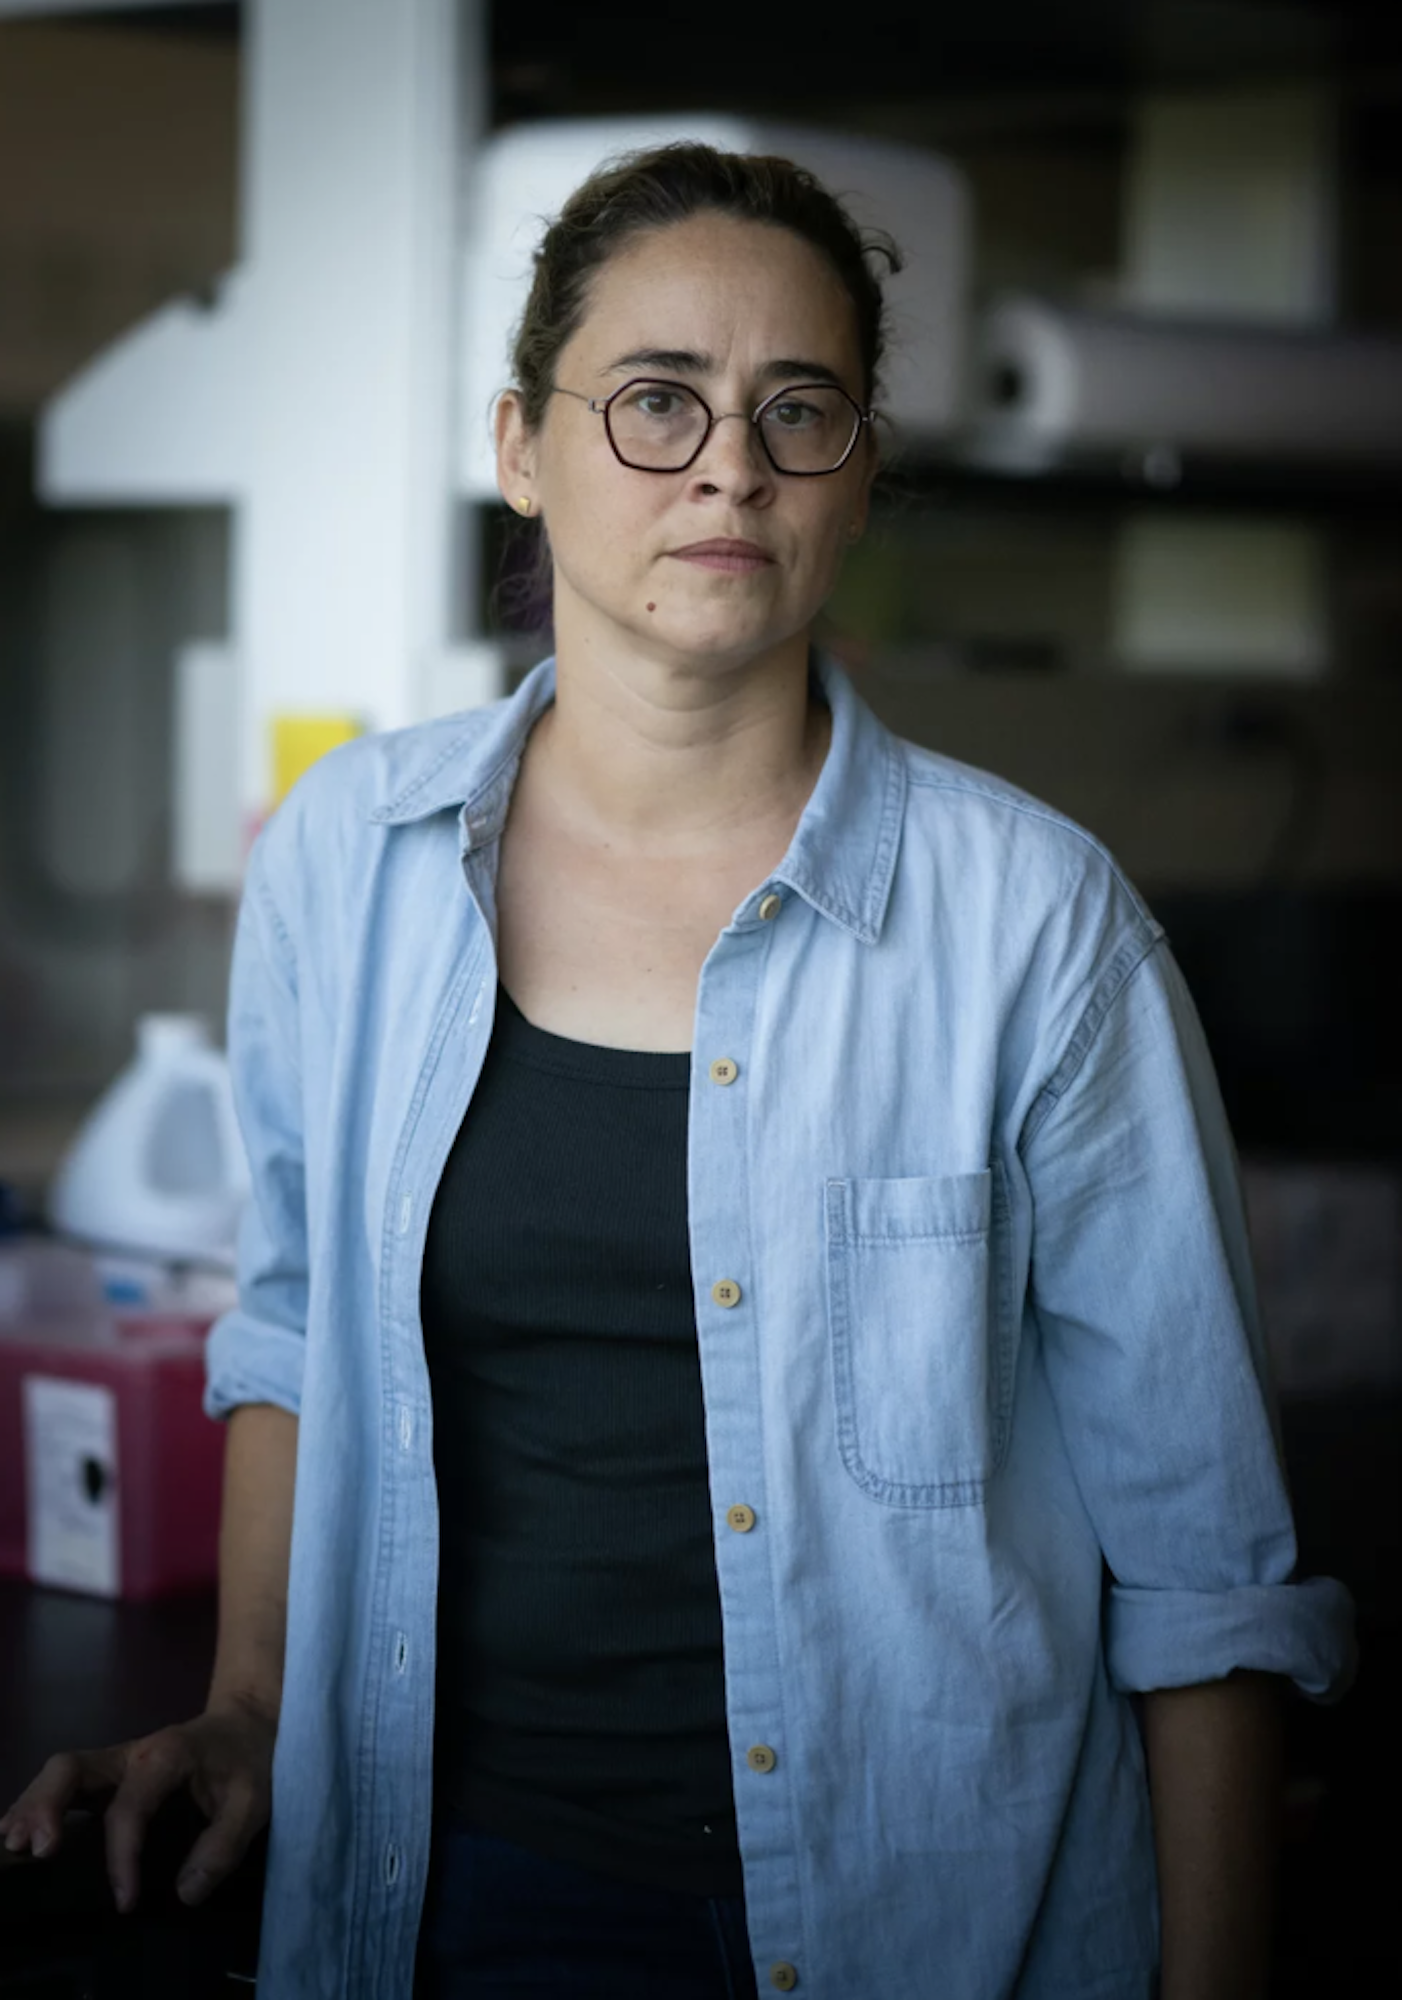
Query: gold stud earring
[[524, 504]]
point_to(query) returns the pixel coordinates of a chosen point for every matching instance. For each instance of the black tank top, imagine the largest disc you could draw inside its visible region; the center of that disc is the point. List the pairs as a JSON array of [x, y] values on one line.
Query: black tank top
[[581, 1706]]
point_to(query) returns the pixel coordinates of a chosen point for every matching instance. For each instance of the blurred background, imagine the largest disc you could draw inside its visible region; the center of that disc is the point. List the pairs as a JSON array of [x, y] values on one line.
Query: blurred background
[[1136, 547]]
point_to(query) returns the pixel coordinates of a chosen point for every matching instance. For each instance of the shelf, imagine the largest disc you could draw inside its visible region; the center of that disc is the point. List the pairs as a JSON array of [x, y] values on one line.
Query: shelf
[[1103, 485]]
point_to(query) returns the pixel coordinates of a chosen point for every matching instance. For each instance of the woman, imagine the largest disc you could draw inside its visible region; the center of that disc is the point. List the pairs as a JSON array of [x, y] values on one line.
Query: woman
[[745, 1224]]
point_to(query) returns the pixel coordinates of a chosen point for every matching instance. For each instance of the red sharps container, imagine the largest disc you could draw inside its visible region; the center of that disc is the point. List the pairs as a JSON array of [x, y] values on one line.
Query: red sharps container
[[110, 1472]]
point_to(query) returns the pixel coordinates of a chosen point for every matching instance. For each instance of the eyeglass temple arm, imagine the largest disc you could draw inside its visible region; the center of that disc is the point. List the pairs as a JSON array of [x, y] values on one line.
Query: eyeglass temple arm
[[596, 406]]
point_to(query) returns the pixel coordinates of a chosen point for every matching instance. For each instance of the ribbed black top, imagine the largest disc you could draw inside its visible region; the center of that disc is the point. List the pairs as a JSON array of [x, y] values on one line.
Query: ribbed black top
[[581, 1701]]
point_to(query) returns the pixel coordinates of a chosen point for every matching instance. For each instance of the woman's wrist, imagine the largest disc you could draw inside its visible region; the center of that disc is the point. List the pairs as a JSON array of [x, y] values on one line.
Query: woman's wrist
[[244, 1693], [1214, 1755]]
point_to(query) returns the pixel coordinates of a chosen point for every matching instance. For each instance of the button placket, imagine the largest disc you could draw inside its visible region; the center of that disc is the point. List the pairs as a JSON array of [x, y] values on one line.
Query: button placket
[[723, 1224]]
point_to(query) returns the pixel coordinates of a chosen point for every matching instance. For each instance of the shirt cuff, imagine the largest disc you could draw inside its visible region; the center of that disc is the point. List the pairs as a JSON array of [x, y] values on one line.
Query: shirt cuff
[[1177, 1638], [248, 1360]]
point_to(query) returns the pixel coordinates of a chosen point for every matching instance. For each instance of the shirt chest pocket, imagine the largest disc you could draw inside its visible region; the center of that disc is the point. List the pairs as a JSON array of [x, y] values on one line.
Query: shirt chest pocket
[[922, 1334]]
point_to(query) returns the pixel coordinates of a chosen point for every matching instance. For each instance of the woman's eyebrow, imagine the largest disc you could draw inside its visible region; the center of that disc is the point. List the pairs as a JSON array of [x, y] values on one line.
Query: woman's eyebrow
[[684, 361], [675, 360], [800, 371]]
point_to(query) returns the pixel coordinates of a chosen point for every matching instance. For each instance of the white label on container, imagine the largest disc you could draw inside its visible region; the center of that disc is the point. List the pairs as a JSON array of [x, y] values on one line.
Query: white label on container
[[73, 1506]]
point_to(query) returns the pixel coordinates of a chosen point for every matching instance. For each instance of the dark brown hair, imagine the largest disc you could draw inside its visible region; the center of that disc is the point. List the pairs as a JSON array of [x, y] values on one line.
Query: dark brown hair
[[668, 184]]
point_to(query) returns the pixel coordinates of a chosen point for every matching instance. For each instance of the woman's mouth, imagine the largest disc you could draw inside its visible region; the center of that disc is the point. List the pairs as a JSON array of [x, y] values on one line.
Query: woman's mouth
[[737, 557]]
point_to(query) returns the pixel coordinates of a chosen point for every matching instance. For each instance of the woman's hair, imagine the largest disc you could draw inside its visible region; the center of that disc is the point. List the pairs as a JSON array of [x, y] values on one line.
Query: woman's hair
[[668, 184]]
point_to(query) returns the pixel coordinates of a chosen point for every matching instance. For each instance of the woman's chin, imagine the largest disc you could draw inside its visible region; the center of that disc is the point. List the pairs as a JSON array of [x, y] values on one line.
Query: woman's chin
[[724, 641]]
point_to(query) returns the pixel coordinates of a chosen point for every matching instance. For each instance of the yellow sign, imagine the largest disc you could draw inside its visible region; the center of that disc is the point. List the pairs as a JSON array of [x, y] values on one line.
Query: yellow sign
[[298, 740]]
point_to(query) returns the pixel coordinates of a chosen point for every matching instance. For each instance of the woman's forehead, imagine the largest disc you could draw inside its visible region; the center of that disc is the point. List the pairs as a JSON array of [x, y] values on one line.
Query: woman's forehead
[[712, 285]]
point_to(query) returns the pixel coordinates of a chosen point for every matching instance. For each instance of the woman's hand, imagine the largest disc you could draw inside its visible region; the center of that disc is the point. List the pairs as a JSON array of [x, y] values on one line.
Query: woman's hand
[[224, 1757]]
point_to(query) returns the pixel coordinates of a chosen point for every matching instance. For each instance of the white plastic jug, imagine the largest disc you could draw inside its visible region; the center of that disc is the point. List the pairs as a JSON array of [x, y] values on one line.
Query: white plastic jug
[[158, 1167]]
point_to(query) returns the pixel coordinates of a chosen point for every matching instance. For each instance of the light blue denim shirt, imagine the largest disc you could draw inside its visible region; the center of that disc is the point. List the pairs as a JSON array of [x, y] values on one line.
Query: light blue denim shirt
[[993, 1386]]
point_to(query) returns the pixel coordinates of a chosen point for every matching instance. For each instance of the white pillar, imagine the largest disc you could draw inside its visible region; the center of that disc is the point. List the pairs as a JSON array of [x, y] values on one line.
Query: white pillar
[[359, 118]]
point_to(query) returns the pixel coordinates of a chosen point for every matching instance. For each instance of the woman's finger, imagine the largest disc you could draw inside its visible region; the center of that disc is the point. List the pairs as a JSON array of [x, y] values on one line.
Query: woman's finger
[[243, 1813], [156, 1766], [35, 1820]]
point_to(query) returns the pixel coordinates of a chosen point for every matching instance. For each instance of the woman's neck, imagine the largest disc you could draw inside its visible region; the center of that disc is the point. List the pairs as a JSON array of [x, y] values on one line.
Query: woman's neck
[[680, 760]]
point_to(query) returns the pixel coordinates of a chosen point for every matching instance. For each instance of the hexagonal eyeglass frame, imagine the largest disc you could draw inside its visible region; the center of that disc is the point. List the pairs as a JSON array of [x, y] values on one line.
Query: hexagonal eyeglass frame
[[601, 407]]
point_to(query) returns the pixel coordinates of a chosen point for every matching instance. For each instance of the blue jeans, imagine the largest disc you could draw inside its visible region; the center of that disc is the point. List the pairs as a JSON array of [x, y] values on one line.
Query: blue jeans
[[501, 1923]]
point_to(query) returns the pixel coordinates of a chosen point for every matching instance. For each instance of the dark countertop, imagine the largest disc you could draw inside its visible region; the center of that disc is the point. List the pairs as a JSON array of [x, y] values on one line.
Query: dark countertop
[[81, 1672]]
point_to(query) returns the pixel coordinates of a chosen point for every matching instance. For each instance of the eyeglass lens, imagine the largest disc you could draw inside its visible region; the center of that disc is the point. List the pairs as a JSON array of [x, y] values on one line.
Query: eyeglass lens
[[659, 427]]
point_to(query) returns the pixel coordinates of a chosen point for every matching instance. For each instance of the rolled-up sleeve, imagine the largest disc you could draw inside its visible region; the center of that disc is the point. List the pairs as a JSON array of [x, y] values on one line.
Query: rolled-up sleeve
[[255, 1351], [1143, 1293]]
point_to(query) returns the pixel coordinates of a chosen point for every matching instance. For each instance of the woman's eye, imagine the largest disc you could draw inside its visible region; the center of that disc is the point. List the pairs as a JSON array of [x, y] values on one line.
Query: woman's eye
[[656, 403], [791, 415]]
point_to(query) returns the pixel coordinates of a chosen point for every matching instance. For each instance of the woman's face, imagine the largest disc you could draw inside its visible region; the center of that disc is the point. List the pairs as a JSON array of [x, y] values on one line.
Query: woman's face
[[734, 310]]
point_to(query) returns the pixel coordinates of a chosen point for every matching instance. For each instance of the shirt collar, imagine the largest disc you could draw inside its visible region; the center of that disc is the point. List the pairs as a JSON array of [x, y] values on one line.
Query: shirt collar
[[843, 853]]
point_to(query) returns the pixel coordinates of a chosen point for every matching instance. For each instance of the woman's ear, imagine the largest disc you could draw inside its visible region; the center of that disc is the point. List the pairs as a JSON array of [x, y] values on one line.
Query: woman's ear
[[516, 454]]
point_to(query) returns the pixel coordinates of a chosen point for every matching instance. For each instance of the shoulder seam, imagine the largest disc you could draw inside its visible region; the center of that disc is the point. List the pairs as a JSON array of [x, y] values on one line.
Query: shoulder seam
[[1132, 954], [257, 886], [257, 881]]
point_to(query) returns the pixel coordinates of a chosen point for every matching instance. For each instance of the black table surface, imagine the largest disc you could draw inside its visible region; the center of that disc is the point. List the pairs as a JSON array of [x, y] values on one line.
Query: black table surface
[[77, 1672]]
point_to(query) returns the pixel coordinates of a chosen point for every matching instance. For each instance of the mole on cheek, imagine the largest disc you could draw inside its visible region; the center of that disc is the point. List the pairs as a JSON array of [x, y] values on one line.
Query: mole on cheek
[[652, 607]]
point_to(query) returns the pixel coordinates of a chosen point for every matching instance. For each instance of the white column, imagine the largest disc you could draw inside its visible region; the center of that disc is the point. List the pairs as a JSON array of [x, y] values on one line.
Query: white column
[[359, 118]]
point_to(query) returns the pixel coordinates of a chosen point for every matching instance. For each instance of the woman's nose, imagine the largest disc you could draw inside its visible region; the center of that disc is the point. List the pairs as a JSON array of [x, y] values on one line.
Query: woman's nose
[[732, 454]]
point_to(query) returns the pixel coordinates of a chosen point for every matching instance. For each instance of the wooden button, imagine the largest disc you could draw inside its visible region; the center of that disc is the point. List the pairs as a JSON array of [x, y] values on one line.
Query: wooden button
[[770, 906], [725, 1292], [783, 1976], [723, 1070], [741, 1519], [761, 1758]]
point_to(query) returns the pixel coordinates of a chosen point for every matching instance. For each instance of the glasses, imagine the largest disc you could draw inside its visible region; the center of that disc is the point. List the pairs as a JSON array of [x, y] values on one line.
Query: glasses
[[805, 430]]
